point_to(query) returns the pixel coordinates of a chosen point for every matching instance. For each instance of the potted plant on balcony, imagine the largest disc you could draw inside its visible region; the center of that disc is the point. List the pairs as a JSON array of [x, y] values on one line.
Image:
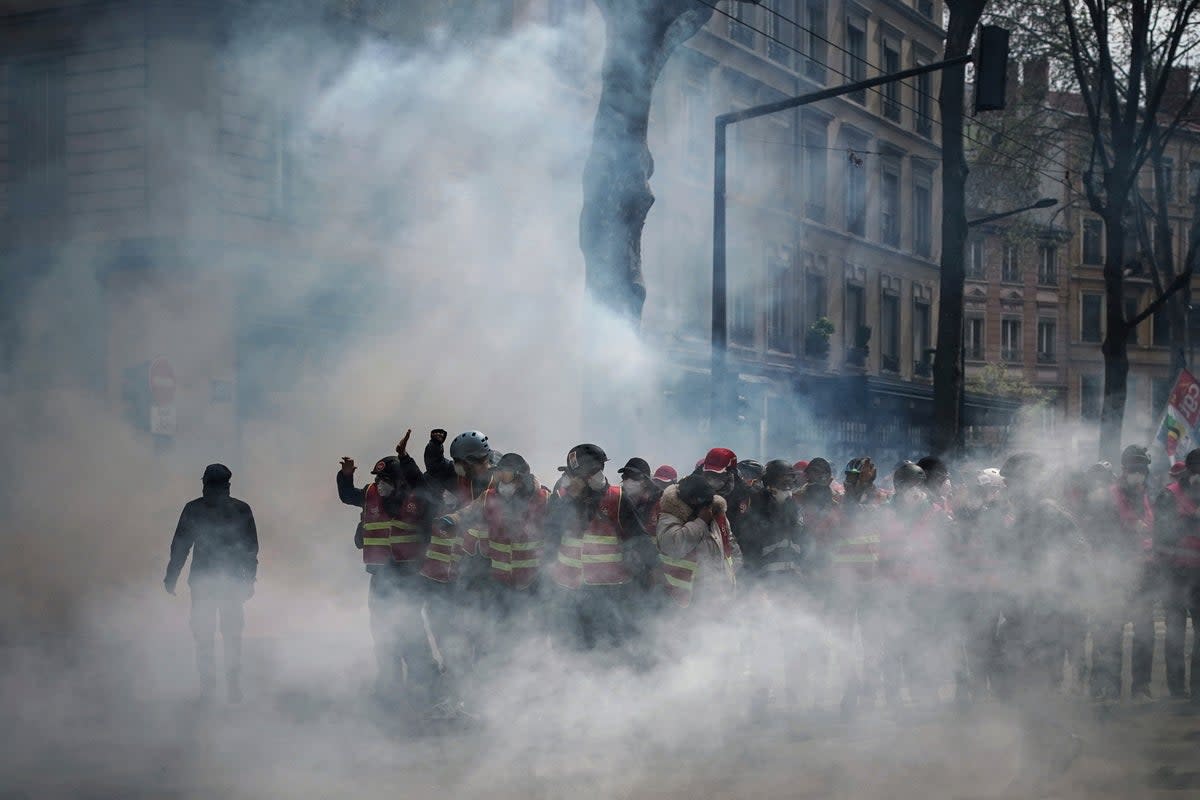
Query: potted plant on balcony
[[816, 339], [856, 356]]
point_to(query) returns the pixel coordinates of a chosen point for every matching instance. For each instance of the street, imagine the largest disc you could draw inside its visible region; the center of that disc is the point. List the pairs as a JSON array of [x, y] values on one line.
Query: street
[[128, 725]]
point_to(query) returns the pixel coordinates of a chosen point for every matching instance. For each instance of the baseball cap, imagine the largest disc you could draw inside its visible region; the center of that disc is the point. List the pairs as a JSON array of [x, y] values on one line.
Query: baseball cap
[[719, 459], [666, 473], [584, 459], [635, 468]]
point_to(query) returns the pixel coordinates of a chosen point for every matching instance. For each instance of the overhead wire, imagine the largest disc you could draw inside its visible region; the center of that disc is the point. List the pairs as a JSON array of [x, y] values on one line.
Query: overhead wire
[[915, 87], [899, 103]]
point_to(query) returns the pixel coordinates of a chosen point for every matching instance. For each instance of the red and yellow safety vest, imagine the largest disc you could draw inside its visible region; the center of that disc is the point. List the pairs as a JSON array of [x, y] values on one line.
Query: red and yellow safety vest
[[514, 545], [679, 574], [594, 557], [446, 547], [1185, 551], [388, 539]]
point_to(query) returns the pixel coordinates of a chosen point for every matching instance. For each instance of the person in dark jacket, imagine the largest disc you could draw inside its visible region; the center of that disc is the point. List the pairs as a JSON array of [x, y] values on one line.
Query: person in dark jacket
[[219, 531], [392, 534]]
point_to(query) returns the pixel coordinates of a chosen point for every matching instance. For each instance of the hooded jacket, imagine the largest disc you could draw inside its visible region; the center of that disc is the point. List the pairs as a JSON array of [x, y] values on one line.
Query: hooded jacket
[[219, 530]]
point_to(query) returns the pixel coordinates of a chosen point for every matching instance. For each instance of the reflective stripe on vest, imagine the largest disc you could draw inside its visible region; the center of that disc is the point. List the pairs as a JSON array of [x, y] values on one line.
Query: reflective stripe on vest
[[593, 557], [376, 525], [1185, 551]]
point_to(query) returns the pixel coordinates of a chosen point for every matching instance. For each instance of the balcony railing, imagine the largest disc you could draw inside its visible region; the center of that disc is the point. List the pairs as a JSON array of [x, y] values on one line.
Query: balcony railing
[[922, 369], [1010, 354], [779, 53], [1048, 278], [890, 363], [1046, 358], [741, 33]]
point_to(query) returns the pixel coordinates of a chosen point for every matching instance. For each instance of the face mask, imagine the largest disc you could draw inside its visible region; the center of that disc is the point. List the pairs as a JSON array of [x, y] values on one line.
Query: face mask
[[1135, 480], [632, 488], [820, 479], [384, 488], [507, 489], [597, 482], [781, 495], [460, 470]]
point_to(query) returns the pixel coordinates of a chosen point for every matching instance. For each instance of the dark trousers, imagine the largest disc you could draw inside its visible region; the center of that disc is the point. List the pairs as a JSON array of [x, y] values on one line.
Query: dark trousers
[[402, 650], [592, 617], [217, 597], [1182, 600]]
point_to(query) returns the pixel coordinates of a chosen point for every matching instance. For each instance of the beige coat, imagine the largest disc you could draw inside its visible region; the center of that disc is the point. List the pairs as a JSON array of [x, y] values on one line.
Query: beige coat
[[682, 534]]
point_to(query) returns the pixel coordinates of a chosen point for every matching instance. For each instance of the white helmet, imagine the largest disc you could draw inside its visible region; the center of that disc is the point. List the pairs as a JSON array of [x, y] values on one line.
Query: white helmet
[[990, 478]]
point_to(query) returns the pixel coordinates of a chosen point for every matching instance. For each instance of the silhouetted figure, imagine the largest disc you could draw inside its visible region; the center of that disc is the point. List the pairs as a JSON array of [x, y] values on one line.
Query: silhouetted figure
[[224, 564]]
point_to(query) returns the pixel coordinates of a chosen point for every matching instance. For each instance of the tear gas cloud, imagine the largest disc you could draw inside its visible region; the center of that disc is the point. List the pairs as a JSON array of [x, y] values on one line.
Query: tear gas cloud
[[470, 314]]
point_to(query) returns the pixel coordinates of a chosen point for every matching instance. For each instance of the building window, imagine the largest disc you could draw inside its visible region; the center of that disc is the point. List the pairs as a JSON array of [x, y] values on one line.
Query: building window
[[856, 56], [1090, 329], [925, 8], [889, 331], [1047, 265], [816, 167], [973, 341], [856, 313], [1193, 182], [779, 33], [1010, 340], [889, 201], [924, 116], [1093, 248], [739, 31], [1160, 393], [856, 192], [1161, 332], [1131, 311], [1168, 177], [815, 20], [1090, 396], [922, 211], [1047, 331], [814, 297], [780, 324], [890, 52], [922, 333], [976, 269], [37, 132], [1010, 269], [741, 323]]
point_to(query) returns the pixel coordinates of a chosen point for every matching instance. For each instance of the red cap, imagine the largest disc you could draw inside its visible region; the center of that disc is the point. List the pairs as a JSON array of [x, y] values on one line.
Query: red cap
[[800, 466], [719, 459], [666, 473], [1178, 468]]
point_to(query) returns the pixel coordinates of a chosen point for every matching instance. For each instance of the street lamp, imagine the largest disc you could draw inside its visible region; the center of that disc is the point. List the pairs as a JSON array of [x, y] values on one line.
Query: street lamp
[[1045, 202]]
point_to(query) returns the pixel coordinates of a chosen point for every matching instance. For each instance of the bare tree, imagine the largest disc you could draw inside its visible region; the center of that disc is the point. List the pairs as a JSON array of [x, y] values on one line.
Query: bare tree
[[1122, 54], [641, 35], [947, 374]]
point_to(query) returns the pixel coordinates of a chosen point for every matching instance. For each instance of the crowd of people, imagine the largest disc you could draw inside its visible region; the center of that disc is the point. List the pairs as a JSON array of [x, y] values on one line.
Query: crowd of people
[[989, 580]]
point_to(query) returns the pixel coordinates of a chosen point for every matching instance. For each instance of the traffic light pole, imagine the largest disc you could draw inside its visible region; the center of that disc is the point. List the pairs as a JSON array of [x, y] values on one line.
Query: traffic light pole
[[720, 331]]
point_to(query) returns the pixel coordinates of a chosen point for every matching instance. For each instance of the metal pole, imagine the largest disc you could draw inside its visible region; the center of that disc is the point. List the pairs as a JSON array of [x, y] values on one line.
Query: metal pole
[[720, 336]]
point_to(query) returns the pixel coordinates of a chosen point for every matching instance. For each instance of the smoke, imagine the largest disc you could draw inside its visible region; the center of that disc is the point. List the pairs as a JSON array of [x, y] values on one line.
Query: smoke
[[435, 282]]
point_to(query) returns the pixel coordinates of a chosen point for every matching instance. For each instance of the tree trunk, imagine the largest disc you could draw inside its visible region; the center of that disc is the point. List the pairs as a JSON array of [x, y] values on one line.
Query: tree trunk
[[641, 35], [1116, 339], [947, 373]]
